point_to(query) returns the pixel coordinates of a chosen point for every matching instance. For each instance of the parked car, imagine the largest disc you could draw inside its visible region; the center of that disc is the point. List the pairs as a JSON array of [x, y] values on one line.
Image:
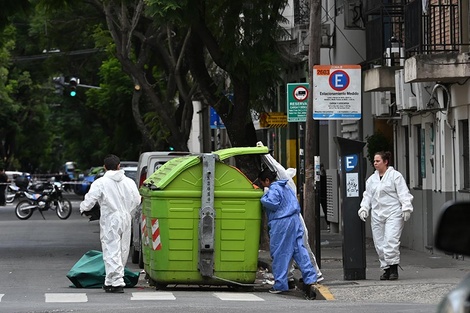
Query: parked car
[[453, 236], [148, 163], [82, 187], [131, 172]]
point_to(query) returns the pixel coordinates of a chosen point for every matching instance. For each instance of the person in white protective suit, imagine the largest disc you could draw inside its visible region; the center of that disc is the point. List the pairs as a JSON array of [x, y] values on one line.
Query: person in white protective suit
[[288, 174], [285, 233], [117, 196], [389, 199]]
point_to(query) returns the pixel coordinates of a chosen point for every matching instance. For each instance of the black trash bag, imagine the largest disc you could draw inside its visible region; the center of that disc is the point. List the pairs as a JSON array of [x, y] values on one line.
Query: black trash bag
[[94, 214], [89, 272]]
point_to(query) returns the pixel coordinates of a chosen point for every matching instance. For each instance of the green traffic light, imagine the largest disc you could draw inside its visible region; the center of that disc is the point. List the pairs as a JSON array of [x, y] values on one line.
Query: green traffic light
[[73, 93]]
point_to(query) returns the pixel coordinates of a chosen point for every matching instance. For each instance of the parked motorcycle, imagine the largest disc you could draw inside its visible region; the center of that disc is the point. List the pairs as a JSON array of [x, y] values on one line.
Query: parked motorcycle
[[43, 197], [13, 192]]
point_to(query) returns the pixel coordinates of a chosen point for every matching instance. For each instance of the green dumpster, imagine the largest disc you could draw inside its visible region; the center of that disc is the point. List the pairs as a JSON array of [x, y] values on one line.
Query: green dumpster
[[201, 221]]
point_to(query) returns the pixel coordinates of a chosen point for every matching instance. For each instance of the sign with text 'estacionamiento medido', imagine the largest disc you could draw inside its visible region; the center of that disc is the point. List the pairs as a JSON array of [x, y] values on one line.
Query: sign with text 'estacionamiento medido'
[[337, 92]]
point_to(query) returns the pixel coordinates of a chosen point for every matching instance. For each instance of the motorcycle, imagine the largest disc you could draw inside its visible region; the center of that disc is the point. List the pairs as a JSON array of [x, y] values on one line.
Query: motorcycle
[[13, 192], [43, 197]]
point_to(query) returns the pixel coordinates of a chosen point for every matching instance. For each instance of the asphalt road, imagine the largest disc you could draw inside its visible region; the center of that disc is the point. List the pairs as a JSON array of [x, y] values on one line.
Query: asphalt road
[[36, 255]]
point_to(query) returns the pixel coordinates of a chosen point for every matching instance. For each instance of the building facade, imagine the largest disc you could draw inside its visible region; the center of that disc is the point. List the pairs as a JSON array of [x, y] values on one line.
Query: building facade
[[415, 63]]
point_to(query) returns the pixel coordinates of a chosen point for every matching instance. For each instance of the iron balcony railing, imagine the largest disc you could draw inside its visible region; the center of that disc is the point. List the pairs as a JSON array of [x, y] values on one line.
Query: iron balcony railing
[[402, 26], [438, 30]]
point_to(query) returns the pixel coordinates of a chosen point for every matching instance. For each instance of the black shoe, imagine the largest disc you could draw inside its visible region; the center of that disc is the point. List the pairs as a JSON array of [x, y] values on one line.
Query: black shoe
[[274, 291], [310, 293], [393, 272], [112, 289], [385, 275]]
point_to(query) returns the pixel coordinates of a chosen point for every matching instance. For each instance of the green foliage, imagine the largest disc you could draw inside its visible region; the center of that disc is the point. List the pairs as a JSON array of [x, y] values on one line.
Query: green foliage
[[375, 143]]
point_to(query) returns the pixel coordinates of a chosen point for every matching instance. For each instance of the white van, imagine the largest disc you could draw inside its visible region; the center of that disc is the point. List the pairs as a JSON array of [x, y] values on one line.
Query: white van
[[149, 162]]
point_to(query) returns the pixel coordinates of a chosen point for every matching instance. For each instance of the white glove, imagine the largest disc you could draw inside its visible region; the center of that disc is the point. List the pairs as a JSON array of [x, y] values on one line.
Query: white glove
[[265, 190], [259, 144], [406, 215], [363, 214]]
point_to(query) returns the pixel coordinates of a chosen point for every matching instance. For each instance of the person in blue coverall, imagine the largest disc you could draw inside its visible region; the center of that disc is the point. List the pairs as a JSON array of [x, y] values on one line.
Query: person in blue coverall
[[285, 233]]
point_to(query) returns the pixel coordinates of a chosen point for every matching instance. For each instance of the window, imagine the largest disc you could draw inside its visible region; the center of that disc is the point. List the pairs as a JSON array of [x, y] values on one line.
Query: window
[[465, 149], [420, 156], [407, 155]]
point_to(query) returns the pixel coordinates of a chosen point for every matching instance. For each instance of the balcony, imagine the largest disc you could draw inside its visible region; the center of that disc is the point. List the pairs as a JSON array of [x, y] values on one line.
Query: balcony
[[435, 43], [384, 43]]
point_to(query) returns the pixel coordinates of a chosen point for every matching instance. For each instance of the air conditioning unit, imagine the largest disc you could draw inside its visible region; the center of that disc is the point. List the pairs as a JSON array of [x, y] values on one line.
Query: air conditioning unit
[[402, 91], [381, 103], [412, 103], [353, 18], [303, 40], [326, 36], [422, 92]]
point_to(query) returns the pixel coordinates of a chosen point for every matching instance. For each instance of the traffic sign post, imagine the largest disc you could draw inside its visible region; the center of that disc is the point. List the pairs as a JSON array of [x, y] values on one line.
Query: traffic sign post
[[337, 92], [297, 99]]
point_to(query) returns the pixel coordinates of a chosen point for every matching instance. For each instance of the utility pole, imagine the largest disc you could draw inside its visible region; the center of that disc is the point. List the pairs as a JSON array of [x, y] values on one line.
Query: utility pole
[[312, 146]]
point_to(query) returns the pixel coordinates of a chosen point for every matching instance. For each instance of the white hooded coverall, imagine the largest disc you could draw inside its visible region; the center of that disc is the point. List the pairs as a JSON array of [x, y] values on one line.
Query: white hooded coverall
[[288, 174], [117, 196], [388, 198]]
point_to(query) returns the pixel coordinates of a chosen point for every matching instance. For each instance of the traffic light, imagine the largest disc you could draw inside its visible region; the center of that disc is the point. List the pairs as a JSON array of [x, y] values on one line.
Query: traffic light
[[73, 83], [59, 83]]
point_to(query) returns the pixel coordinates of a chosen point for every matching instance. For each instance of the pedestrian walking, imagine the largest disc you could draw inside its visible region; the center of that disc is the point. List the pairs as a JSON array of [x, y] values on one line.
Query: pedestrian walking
[[285, 233], [3, 186], [117, 196], [388, 198]]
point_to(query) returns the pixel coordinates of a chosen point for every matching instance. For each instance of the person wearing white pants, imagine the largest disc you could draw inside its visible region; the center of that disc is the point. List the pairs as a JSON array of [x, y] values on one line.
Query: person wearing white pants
[[388, 198], [118, 197]]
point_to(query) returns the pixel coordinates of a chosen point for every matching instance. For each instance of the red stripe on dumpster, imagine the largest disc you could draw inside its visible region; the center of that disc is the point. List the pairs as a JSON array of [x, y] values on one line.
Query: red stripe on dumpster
[[156, 243], [144, 230]]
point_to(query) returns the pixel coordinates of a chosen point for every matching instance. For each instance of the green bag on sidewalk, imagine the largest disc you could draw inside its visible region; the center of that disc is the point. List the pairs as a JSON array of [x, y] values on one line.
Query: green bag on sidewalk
[[89, 272]]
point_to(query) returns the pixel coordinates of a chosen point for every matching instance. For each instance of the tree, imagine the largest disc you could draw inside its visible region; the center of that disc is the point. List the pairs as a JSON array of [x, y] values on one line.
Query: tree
[[175, 51], [232, 49]]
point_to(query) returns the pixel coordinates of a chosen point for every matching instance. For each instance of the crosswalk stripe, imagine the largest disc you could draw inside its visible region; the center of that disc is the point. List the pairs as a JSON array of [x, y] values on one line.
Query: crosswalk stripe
[[228, 296], [1, 296], [66, 297], [159, 295]]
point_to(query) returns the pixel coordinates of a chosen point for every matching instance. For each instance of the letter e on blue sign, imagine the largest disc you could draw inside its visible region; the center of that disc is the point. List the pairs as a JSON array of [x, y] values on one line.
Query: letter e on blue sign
[[350, 162]]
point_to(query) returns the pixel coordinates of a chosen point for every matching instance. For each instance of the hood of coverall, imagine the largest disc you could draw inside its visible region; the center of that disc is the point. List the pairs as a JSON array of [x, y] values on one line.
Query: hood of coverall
[[278, 206]]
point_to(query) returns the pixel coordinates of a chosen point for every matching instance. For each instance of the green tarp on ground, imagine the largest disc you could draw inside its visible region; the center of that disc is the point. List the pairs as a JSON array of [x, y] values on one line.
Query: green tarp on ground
[[89, 272]]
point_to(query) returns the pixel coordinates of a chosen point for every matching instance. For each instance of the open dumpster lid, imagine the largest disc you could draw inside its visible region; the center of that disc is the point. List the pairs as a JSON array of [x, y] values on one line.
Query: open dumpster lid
[[165, 174], [231, 152]]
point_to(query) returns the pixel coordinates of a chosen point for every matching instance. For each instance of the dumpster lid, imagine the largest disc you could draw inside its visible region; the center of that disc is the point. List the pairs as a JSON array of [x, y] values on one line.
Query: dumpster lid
[[172, 168], [230, 152], [168, 171]]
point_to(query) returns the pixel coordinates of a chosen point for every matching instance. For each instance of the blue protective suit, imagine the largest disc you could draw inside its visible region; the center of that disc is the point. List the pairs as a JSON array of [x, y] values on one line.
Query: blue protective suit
[[285, 235]]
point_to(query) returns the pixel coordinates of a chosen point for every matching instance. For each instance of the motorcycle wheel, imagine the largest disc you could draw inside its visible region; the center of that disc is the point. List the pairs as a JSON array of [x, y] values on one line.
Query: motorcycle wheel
[[10, 197], [24, 210], [63, 209]]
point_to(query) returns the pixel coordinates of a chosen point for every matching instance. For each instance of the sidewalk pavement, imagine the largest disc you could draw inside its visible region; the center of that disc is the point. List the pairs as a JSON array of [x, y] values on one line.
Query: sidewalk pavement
[[426, 276]]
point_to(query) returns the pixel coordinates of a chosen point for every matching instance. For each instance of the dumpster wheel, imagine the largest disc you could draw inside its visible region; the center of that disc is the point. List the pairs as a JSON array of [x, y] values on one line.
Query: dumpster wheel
[[159, 286]]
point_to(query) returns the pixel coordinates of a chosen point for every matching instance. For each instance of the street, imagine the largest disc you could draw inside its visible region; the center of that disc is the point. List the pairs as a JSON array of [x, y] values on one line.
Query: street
[[36, 255]]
